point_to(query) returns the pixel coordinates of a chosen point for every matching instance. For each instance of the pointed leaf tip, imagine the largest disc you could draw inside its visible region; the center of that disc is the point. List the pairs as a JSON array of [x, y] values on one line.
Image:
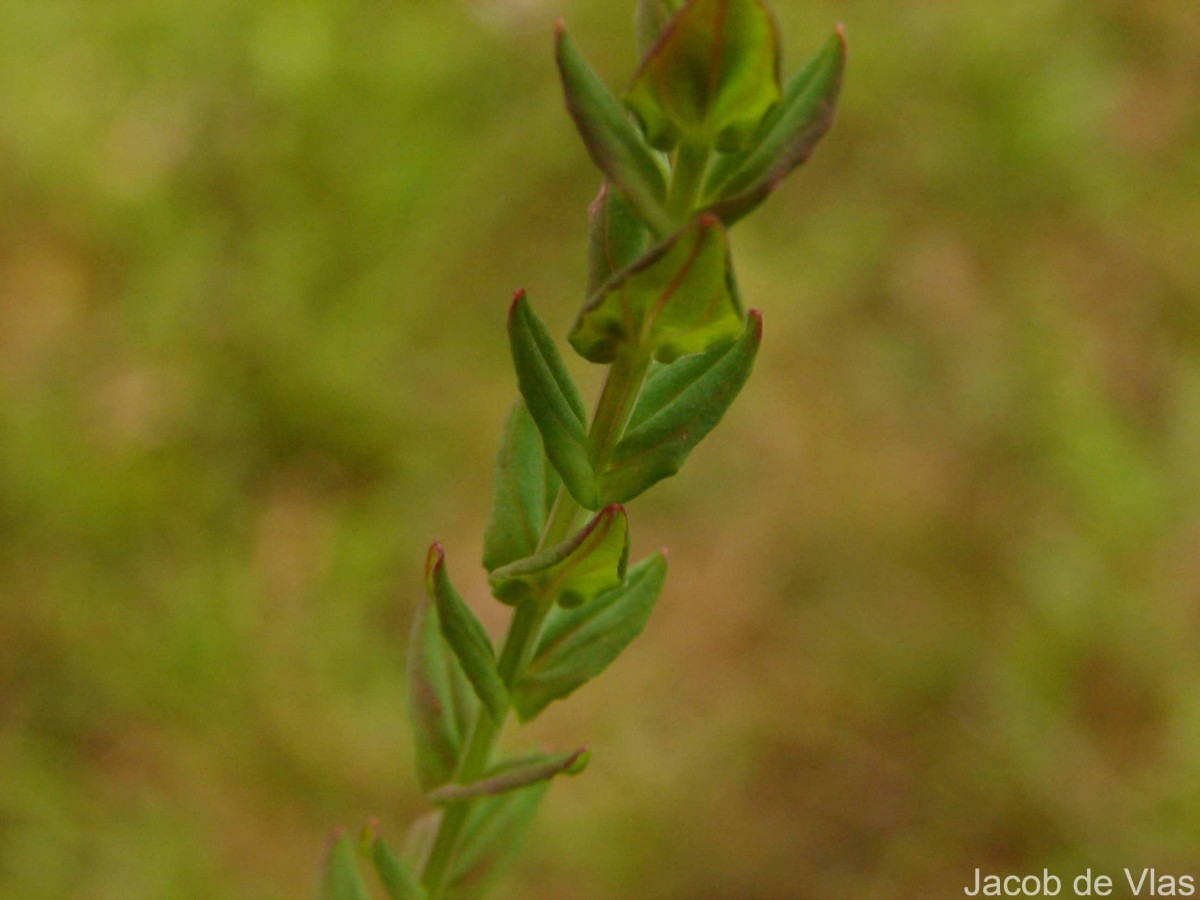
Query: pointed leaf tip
[[785, 138], [434, 558], [517, 300], [756, 320], [340, 879], [579, 761], [368, 835], [398, 879], [610, 136]]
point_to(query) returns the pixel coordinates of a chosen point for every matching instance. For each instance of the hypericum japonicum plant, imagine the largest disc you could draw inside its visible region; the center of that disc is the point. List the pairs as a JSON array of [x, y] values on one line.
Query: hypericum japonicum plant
[[704, 132]]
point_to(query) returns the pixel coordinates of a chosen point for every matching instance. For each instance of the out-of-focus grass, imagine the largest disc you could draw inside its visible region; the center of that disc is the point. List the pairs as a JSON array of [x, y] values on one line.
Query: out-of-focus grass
[[933, 601]]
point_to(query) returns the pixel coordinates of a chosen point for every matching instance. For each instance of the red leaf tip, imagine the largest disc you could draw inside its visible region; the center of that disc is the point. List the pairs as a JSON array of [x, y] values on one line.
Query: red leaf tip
[[434, 558], [334, 836], [518, 296], [369, 834], [756, 317], [560, 28]]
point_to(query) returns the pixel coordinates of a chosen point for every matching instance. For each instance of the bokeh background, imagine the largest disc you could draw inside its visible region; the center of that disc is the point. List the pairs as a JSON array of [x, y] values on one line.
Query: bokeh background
[[935, 589]]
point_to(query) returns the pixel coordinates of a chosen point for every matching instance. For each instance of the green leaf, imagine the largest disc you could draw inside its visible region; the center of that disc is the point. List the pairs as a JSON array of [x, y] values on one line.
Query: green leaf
[[678, 408], [736, 184], [441, 705], [710, 78], [611, 137], [574, 571], [552, 399], [398, 879], [465, 635], [616, 236], [650, 20], [513, 775], [679, 298], [340, 879], [492, 839], [579, 644], [525, 487]]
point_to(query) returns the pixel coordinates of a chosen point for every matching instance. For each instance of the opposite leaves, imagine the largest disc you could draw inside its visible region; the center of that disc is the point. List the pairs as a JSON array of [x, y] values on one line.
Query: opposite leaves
[[679, 298], [679, 406], [579, 644], [736, 184], [710, 77], [574, 571]]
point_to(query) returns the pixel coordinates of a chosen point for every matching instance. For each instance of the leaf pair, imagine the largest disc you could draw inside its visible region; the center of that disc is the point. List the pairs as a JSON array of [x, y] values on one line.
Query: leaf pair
[[737, 183], [678, 299], [681, 403], [491, 839], [573, 572], [710, 76], [441, 705], [578, 644]]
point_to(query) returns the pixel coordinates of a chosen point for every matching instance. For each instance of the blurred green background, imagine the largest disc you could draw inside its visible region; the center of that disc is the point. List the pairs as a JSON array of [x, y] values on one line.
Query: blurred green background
[[935, 583]]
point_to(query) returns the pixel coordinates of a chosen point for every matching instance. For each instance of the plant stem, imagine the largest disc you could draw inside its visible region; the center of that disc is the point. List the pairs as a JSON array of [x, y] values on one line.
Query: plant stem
[[691, 162], [621, 387]]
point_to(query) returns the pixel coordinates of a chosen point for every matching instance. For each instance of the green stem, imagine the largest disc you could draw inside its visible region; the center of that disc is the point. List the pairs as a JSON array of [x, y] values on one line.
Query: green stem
[[621, 388], [691, 163]]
